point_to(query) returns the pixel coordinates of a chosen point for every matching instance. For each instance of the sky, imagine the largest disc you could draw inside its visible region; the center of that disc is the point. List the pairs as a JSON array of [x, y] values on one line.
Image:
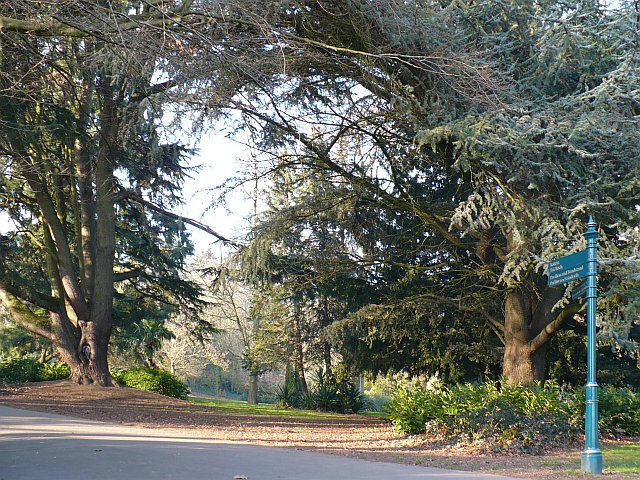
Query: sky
[[220, 158]]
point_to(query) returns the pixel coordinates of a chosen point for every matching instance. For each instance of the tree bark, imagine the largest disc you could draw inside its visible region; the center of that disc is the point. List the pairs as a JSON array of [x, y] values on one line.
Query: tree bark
[[86, 352], [252, 396], [325, 321], [85, 207], [530, 323], [299, 351], [96, 330], [88, 358], [299, 362], [519, 365], [92, 366]]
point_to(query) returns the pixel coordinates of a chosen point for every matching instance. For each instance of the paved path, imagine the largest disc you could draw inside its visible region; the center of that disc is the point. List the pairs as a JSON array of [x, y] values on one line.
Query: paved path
[[41, 446]]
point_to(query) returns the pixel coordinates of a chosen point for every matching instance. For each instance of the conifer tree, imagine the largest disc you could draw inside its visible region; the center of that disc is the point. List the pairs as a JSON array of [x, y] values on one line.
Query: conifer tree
[[499, 127]]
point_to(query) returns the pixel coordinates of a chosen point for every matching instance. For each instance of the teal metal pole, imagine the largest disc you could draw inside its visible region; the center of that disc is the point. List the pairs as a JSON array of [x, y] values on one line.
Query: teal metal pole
[[592, 456]]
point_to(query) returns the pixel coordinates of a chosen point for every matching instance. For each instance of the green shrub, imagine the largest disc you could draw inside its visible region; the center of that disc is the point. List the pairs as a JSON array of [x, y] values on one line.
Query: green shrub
[[308, 401], [351, 399], [153, 380], [618, 411], [29, 369], [516, 418], [511, 418], [413, 405], [331, 394], [18, 370], [287, 396], [327, 394], [290, 394], [54, 371]]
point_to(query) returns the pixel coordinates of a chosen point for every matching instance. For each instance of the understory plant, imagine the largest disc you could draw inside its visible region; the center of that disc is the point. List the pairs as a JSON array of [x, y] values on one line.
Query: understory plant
[[499, 417], [153, 380], [618, 411], [29, 369], [328, 394]]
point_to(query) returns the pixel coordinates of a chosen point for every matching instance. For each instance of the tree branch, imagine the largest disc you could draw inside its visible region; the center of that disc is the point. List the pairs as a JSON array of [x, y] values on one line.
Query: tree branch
[[120, 276], [325, 162], [201, 226], [52, 27], [63, 253], [545, 335], [153, 90], [496, 326], [24, 317], [35, 298], [46, 29]]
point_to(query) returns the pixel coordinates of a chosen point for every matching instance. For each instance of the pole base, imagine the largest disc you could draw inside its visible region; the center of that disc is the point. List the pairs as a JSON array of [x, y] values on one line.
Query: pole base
[[592, 462]]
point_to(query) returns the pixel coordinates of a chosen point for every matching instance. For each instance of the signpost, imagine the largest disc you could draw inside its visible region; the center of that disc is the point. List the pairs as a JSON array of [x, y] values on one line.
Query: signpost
[[563, 270], [579, 290], [591, 456], [566, 269]]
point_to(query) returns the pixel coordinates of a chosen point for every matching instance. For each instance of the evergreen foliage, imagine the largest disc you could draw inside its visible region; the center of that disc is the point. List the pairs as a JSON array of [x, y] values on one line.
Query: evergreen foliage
[[16, 342], [29, 369], [87, 182], [328, 394], [153, 380], [425, 160], [54, 371], [17, 370], [506, 417], [142, 339], [567, 365], [458, 180]]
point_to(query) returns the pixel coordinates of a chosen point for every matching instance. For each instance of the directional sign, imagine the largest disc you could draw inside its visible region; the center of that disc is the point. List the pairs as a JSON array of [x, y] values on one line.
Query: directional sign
[[579, 291], [566, 269]]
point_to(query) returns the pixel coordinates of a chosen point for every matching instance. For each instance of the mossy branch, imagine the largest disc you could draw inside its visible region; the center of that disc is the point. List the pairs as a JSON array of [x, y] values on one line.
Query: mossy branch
[[23, 316]]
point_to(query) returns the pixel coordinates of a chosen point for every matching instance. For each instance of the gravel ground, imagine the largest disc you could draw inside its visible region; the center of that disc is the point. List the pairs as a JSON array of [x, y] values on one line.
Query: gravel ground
[[348, 435]]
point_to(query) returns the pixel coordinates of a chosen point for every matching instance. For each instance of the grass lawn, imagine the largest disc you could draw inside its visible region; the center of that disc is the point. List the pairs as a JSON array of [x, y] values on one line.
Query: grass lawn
[[621, 458], [243, 408]]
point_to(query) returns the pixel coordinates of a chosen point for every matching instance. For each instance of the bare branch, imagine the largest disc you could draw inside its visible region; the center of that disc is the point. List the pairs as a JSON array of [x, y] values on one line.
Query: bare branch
[[121, 276], [199, 225]]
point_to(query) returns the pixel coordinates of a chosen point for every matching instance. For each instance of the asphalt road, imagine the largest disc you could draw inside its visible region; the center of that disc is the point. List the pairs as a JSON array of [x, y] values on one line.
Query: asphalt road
[[41, 446]]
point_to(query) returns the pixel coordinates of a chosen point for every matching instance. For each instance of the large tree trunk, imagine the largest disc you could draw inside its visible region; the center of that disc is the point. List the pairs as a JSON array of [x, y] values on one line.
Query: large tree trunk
[[252, 396], [96, 332], [86, 355], [325, 321], [299, 363], [529, 325], [93, 367], [299, 351], [521, 364], [85, 351]]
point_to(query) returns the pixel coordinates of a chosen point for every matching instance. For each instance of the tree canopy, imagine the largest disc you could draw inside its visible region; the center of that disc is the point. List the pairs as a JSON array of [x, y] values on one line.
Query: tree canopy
[[86, 179], [430, 156], [488, 162]]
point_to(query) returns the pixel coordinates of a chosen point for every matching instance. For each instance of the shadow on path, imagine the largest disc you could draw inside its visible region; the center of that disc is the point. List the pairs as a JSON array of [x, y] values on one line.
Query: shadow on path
[[36, 446]]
